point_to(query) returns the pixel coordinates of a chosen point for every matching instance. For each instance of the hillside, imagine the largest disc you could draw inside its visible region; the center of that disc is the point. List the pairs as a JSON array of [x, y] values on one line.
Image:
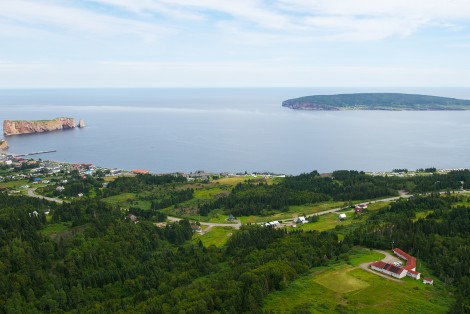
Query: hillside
[[376, 101]]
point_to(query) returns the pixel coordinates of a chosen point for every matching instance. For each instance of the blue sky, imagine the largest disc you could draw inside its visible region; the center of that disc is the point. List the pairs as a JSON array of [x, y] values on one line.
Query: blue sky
[[222, 43]]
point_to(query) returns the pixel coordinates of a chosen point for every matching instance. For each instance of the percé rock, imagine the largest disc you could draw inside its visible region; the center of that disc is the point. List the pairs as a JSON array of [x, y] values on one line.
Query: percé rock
[[81, 124], [3, 144], [13, 127]]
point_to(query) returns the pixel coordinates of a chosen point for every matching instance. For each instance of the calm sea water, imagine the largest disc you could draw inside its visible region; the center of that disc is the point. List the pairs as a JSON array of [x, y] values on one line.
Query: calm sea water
[[169, 130]]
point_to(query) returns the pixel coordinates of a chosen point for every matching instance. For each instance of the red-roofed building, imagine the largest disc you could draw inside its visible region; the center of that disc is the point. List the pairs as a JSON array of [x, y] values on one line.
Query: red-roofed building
[[140, 171], [428, 281], [389, 269], [410, 263]]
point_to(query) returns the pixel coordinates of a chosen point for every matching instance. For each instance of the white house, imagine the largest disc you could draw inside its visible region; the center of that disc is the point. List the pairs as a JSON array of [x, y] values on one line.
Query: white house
[[300, 220], [342, 216], [272, 224], [428, 281]]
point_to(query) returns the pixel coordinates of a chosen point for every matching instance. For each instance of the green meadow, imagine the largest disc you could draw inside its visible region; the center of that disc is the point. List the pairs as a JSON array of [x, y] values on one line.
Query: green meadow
[[345, 288], [217, 236]]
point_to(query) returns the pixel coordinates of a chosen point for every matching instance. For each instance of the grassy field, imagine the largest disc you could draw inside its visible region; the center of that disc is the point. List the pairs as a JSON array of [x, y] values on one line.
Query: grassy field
[[422, 214], [14, 184], [120, 199], [378, 205], [347, 289], [55, 228], [327, 222], [339, 280], [208, 193], [217, 236], [365, 257], [235, 180]]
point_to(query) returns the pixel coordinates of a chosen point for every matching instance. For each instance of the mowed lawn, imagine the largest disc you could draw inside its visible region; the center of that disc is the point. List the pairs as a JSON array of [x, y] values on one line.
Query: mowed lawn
[[328, 221], [340, 280], [217, 236], [345, 288]]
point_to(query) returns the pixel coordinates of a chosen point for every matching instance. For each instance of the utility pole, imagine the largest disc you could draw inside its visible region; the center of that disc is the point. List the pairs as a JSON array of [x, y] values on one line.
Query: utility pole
[[393, 242]]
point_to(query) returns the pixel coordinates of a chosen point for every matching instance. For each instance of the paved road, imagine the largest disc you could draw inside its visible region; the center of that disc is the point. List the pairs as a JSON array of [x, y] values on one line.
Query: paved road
[[32, 194], [211, 224], [387, 259]]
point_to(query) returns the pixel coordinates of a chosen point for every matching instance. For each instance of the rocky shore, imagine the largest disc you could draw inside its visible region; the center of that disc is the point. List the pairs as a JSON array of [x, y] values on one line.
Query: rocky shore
[[15, 127], [3, 144]]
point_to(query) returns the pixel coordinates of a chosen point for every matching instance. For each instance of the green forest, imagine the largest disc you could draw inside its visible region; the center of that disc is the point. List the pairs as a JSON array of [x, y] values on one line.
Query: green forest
[[377, 101], [87, 256]]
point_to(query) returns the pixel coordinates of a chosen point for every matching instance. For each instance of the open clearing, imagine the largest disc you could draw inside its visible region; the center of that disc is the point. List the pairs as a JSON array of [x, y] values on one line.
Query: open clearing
[[344, 288], [340, 281], [217, 236]]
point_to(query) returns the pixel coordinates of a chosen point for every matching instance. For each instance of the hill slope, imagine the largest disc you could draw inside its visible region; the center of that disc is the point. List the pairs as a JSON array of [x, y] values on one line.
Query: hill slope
[[376, 101]]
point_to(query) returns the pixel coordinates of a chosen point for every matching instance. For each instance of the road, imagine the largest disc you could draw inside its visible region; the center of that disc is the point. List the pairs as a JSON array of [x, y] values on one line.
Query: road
[[32, 194], [211, 224], [238, 224], [389, 258]]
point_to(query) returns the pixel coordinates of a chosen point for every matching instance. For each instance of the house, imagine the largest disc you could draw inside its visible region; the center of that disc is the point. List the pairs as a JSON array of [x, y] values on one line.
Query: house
[[300, 220], [133, 218], [59, 188], [389, 269], [428, 281], [272, 224], [230, 218], [140, 171], [359, 208], [342, 216], [196, 228]]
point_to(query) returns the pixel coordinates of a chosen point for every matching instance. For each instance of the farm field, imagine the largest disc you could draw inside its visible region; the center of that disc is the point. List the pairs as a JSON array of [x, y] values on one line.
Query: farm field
[[346, 288]]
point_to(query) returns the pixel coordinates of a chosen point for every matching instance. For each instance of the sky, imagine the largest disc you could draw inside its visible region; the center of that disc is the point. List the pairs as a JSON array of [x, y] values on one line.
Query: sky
[[234, 43]]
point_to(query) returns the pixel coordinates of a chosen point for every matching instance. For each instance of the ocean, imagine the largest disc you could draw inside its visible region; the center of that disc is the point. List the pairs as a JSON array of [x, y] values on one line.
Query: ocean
[[237, 130]]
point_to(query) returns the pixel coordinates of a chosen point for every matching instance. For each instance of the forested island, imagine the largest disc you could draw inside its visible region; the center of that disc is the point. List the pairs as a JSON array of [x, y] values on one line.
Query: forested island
[[376, 101], [145, 243]]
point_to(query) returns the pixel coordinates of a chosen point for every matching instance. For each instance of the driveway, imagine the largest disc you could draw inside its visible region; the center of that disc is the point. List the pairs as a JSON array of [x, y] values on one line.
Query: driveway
[[389, 258]]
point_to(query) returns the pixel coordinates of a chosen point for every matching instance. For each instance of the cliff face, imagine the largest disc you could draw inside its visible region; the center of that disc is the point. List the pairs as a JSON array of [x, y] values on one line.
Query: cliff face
[[12, 127], [3, 144]]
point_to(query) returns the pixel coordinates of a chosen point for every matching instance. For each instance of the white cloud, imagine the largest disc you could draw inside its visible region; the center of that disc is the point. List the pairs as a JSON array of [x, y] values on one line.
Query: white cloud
[[374, 20], [51, 17], [341, 20]]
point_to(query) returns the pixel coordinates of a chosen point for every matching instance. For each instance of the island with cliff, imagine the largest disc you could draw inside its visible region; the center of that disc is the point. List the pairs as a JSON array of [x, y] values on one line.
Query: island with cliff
[[3, 144], [376, 101], [16, 127]]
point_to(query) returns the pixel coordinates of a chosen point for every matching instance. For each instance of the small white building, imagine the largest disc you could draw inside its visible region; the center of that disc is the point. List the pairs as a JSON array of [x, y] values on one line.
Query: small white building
[[428, 281], [272, 224], [342, 216], [300, 220]]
